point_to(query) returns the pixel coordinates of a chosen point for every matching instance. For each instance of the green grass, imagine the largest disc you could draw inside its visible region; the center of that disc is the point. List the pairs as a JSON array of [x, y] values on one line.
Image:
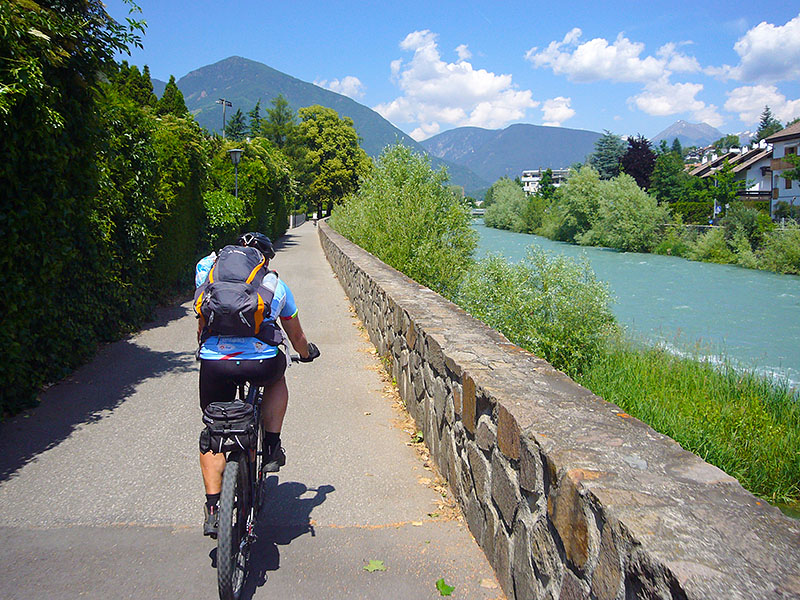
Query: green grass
[[746, 424]]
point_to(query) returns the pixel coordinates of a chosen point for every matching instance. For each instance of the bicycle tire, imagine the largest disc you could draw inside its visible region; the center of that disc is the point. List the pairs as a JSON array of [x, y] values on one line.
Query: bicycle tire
[[234, 506]]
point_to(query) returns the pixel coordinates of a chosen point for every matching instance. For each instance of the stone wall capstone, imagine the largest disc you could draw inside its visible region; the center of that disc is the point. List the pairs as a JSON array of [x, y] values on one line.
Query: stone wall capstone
[[568, 496]]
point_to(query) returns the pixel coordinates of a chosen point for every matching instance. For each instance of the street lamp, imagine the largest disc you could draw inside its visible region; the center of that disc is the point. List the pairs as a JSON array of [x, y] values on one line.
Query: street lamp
[[224, 104], [236, 156]]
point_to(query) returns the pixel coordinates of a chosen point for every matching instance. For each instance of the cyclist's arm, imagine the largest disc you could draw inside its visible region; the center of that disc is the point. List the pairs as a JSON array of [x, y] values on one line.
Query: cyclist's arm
[[294, 332]]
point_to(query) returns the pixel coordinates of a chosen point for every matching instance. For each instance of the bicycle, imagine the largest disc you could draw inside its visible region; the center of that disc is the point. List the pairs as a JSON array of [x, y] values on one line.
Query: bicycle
[[240, 501]]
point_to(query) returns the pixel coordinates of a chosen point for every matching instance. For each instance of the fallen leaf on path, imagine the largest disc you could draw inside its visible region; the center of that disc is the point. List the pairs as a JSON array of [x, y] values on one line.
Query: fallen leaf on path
[[375, 565], [444, 589]]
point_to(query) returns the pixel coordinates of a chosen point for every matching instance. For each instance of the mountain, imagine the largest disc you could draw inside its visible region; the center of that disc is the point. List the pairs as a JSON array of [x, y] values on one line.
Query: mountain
[[158, 87], [244, 82], [689, 134], [493, 154]]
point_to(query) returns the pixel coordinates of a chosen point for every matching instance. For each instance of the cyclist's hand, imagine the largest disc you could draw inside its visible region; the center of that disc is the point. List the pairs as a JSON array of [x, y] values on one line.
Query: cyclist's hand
[[313, 352]]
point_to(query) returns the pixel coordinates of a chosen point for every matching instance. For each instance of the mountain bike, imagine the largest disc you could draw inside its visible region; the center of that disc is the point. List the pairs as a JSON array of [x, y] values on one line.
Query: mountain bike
[[240, 501], [238, 504]]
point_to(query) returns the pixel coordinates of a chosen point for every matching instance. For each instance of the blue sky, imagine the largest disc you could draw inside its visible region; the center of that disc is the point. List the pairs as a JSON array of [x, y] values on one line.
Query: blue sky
[[430, 66]]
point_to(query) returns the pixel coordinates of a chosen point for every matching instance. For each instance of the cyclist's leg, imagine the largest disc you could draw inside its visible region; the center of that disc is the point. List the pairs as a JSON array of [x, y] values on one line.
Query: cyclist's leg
[[215, 386], [273, 406]]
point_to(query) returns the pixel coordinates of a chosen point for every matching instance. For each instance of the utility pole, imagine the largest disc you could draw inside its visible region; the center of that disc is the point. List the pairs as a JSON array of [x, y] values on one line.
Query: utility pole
[[224, 104]]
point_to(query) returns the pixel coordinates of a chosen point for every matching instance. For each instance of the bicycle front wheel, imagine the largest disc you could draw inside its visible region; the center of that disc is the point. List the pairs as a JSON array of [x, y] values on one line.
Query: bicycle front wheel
[[232, 542]]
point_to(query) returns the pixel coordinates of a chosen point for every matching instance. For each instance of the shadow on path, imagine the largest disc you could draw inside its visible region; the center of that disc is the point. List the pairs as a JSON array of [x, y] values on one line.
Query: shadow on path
[[84, 397], [284, 516]]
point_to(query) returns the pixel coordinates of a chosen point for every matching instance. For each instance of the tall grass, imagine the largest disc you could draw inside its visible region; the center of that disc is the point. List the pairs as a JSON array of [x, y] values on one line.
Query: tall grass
[[742, 422]]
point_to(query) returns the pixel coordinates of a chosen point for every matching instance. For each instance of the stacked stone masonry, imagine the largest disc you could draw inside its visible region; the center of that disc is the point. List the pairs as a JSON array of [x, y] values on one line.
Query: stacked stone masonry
[[568, 496]]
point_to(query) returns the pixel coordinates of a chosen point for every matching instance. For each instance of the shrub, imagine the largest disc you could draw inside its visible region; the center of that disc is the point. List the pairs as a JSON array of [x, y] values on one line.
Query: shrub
[[225, 218], [628, 218], [580, 198], [694, 213], [712, 247], [781, 251], [508, 206], [749, 224], [551, 305], [405, 215]]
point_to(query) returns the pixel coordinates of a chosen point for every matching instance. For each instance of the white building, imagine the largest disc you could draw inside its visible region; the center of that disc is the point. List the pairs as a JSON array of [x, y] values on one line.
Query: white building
[[531, 179], [784, 143]]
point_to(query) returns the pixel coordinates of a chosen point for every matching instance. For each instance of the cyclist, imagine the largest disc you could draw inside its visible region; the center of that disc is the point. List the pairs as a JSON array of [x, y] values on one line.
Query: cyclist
[[226, 361]]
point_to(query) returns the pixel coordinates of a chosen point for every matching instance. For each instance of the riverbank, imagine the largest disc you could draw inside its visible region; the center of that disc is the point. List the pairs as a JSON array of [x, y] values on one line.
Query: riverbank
[[751, 427]]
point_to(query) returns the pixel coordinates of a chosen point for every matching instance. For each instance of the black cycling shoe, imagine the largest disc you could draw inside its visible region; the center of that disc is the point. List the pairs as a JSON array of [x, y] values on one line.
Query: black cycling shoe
[[211, 524], [275, 461]]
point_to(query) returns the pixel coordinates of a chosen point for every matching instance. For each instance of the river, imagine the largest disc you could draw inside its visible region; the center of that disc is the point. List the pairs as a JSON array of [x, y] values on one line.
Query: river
[[751, 317]]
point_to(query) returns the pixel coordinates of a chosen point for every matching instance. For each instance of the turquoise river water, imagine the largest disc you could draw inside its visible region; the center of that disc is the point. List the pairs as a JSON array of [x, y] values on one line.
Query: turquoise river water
[[751, 317]]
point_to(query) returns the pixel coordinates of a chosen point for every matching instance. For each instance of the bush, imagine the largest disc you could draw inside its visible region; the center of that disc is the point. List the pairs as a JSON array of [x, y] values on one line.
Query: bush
[[405, 215], [712, 247], [551, 305], [507, 210], [225, 218], [693, 213], [781, 251], [580, 201], [628, 218], [747, 223]]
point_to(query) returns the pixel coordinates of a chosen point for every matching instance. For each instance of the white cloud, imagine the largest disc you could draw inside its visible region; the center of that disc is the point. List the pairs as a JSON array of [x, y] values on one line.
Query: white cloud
[[437, 93], [749, 103], [463, 52], [769, 53], [557, 110], [347, 86], [662, 98], [598, 60]]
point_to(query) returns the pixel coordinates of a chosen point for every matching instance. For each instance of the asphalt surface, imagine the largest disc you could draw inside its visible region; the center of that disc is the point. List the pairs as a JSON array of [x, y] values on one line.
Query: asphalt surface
[[101, 494]]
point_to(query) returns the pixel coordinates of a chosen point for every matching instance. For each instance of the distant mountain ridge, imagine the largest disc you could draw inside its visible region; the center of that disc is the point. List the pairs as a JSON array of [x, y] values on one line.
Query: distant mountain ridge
[[244, 82], [689, 134], [495, 153]]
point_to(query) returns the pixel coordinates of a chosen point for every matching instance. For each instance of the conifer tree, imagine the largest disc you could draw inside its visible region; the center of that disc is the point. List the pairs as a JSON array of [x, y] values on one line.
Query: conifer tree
[[236, 128], [171, 102], [608, 150], [767, 125]]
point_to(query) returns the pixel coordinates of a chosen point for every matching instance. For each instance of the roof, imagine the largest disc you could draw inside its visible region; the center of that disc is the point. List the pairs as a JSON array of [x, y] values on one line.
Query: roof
[[793, 131], [752, 158]]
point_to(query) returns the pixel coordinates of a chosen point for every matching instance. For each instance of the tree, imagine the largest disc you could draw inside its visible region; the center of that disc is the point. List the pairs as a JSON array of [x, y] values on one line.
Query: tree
[[134, 85], [726, 186], [280, 122], [668, 178], [608, 150], [639, 160], [328, 156], [255, 120], [767, 125], [235, 128], [727, 142], [546, 187], [171, 102], [676, 147]]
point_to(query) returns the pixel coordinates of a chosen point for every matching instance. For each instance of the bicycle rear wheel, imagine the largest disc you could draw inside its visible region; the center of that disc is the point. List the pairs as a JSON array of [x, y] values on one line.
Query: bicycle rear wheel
[[232, 543]]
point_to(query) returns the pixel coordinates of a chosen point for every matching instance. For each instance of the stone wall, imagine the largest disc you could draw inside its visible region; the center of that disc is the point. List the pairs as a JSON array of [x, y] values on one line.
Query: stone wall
[[568, 496]]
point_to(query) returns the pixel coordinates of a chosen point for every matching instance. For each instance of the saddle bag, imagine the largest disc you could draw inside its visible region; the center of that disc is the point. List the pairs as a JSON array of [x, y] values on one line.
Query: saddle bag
[[229, 426]]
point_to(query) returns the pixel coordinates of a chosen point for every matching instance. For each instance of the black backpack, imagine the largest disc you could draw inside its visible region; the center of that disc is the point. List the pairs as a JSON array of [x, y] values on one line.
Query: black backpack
[[229, 425], [236, 298]]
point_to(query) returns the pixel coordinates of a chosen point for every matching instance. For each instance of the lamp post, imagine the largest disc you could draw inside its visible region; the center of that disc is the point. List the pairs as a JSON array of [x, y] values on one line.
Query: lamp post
[[224, 104], [236, 156]]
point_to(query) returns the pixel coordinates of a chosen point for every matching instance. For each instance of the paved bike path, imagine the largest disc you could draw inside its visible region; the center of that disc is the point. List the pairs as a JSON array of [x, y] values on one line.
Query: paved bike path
[[101, 496]]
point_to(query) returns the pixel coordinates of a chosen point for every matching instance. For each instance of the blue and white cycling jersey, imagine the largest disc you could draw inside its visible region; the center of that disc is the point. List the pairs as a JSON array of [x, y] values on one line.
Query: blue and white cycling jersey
[[225, 347]]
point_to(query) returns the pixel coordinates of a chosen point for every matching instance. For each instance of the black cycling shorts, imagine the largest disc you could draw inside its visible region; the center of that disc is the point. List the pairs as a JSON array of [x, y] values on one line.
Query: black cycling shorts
[[219, 378]]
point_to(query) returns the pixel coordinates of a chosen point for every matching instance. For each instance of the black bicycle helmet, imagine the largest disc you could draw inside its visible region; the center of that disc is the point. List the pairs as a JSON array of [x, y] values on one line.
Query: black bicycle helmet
[[258, 240]]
